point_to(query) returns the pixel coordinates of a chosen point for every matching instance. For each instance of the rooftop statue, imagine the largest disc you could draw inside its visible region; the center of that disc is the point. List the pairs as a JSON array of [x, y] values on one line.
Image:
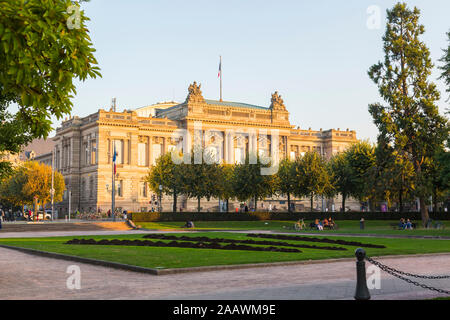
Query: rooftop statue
[[277, 102], [195, 93]]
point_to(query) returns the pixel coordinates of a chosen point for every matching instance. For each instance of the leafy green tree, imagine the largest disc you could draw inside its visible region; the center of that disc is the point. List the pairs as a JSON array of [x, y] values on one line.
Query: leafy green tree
[[201, 180], [248, 183], [285, 179], [226, 191], [341, 177], [41, 55], [446, 65], [167, 174], [392, 176], [410, 121], [361, 159], [11, 188], [311, 176]]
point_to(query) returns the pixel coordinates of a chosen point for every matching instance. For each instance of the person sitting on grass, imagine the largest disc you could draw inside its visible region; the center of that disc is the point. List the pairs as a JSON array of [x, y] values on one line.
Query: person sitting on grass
[[320, 226], [408, 225], [189, 224], [401, 224], [325, 223]]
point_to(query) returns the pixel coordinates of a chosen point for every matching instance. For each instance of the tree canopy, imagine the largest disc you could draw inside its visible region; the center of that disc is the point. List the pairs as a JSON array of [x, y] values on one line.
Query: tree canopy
[[41, 54], [410, 120]]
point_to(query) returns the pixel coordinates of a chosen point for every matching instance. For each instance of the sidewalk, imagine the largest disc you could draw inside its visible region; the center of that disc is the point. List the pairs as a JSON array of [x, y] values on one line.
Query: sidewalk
[[325, 281]]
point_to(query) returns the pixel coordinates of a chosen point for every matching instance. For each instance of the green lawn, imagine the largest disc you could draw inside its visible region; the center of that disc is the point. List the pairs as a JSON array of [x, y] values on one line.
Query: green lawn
[[380, 227], [155, 257]]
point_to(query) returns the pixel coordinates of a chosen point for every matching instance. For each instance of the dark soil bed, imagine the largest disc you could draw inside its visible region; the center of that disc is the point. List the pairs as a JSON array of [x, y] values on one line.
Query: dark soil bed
[[310, 239], [256, 242], [194, 245]]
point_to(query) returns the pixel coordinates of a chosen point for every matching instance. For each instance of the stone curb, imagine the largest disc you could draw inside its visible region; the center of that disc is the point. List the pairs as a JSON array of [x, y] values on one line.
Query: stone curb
[[156, 272]]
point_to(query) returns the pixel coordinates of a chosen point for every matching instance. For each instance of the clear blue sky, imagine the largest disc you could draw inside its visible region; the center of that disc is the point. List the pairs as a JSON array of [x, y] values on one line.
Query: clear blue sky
[[315, 53]]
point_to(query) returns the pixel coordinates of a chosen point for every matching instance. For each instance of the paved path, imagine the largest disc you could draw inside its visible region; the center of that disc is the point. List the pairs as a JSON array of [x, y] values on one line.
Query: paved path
[[24, 276], [62, 233]]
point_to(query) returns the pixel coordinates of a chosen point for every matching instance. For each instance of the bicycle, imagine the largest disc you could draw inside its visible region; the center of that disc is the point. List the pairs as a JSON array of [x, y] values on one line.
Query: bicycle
[[300, 225]]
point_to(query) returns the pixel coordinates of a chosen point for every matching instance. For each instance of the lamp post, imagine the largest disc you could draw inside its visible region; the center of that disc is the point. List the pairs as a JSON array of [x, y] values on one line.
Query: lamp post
[[70, 202], [160, 198], [52, 191]]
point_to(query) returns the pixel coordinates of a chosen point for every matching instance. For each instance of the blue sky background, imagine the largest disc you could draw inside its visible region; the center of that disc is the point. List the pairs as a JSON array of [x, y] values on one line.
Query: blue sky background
[[315, 53]]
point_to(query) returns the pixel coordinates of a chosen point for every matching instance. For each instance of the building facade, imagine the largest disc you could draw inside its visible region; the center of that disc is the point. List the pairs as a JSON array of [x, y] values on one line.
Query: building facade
[[83, 147]]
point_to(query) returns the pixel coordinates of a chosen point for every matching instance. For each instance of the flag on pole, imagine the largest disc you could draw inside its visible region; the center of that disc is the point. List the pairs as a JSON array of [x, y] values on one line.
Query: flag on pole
[[220, 68], [114, 158]]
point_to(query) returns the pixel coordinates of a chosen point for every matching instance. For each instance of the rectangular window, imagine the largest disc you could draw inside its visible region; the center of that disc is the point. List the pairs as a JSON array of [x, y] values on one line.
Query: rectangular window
[[93, 152], [120, 188], [239, 156], [86, 154], [119, 151], [143, 189], [142, 154], [156, 153], [293, 155]]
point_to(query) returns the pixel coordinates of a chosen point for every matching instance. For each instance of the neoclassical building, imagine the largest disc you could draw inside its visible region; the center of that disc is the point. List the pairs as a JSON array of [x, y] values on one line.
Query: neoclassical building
[[83, 147]]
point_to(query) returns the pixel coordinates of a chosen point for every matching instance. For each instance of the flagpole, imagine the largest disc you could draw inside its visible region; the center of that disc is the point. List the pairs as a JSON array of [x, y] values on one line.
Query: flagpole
[[221, 78], [113, 193]]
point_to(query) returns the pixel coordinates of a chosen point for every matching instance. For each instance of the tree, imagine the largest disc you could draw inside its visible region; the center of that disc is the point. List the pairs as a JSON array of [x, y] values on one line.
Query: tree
[[311, 176], [11, 188], [168, 175], [446, 65], [392, 176], [285, 179], [410, 121], [32, 181], [38, 183], [361, 159], [249, 183], [341, 177], [41, 55], [201, 180], [226, 191]]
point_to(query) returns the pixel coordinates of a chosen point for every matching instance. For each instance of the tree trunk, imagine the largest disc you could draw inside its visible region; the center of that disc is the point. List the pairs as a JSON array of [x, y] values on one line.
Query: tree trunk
[[344, 197], [435, 199], [228, 205], [289, 202], [312, 201], [175, 201], [423, 212], [198, 204], [400, 200], [256, 202]]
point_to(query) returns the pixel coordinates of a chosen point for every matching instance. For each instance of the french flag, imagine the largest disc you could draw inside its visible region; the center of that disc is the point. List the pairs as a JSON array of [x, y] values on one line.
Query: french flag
[[114, 159], [220, 68]]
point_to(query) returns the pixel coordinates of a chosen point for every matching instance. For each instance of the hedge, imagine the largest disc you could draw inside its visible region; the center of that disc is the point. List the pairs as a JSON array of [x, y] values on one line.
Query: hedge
[[255, 216]]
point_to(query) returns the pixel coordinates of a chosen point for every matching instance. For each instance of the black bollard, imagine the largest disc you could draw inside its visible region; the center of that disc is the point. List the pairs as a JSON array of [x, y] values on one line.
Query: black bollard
[[362, 292]]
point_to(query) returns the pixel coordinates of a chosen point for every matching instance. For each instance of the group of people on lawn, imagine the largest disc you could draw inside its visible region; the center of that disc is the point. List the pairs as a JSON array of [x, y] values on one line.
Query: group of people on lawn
[[405, 225], [326, 223]]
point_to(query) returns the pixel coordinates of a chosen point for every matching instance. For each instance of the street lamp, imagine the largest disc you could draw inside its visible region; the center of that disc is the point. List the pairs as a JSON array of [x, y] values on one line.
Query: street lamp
[[52, 190], [160, 197]]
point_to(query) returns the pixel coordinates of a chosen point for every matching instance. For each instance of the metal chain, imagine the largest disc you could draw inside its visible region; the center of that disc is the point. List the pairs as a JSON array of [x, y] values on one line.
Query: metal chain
[[397, 273], [378, 264]]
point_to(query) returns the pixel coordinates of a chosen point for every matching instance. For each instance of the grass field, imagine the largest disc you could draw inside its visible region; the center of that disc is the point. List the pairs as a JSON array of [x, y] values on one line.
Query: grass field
[[345, 226], [156, 257]]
